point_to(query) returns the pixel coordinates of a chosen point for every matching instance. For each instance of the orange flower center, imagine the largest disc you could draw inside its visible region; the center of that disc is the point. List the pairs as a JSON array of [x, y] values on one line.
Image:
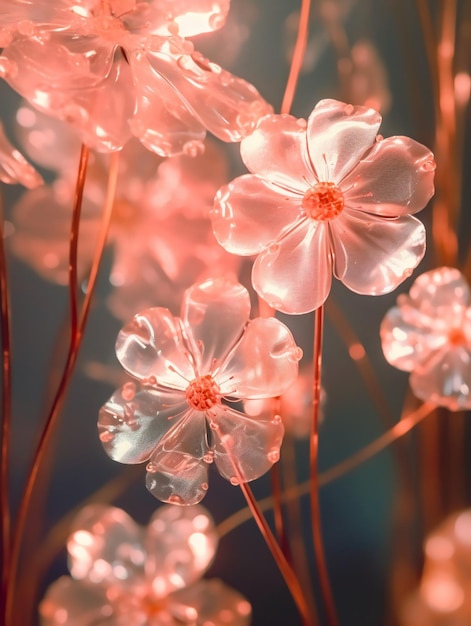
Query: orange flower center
[[202, 393], [456, 337], [324, 201]]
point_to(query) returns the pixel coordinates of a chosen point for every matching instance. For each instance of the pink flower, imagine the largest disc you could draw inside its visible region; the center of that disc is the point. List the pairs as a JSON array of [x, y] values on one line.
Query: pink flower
[[126, 575], [14, 169], [117, 68], [327, 197], [428, 334], [189, 369]]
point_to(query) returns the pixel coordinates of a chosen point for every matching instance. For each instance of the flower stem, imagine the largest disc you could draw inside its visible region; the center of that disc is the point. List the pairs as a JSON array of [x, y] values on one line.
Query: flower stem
[[298, 57], [314, 474]]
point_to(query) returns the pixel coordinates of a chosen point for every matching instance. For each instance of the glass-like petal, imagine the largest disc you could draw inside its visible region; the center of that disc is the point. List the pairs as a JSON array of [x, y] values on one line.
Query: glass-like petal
[[373, 255], [263, 364], [445, 379], [248, 215], [395, 178], [294, 275], [210, 602], [214, 313], [132, 422], [338, 136], [277, 152], [106, 546], [151, 345], [245, 446], [14, 169], [75, 603], [408, 337], [180, 544], [178, 469], [162, 120], [443, 294]]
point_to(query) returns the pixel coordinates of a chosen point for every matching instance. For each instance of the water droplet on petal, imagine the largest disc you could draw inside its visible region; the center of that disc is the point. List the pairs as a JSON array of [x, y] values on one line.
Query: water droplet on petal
[[216, 20], [234, 481], [208, 457], [106, 436], [429, 166], [174, 499], [151, 467], [295, 354], [204, 486], [273, 248], [128, 391], [273, 455]]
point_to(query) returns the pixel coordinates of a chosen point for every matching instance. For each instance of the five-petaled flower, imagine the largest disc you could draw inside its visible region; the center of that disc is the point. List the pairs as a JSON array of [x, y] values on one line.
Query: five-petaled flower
[[117, 68], [428, 334], [327, 197], [189, 369], [124, 574]]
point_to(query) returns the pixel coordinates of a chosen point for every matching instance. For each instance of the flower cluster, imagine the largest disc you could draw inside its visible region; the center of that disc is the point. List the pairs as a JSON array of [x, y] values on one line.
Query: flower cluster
[[118, 68], [428, 334], [124, 574], [179, 418]]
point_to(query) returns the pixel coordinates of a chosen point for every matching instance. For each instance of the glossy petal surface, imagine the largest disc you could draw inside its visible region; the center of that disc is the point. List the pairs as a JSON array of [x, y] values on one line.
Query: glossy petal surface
[[82, 604], [338, 136], [214, 314], [395, 248], [294, 275], [395, 178], [132, 422], [14, 169], [249, 214]]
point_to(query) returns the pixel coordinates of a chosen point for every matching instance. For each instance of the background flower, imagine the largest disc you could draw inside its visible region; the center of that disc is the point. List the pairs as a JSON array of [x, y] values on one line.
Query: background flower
[[124, 574], [428, 334], [329, 197]]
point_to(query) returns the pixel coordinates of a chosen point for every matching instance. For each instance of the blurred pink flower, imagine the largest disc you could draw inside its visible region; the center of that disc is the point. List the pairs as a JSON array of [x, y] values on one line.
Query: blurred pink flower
[[177, 418], [428, 334], [160, 230], [117, 68], [14, 169], [329, 196], [125, 575]]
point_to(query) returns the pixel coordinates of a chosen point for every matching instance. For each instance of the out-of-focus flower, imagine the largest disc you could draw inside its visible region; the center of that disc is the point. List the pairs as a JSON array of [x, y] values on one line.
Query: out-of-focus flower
[[189, 369], [126, 575], [160, 230], [117, 68], [329, 196], [14, 169], [428, 334], [444, 595], [294, 405]]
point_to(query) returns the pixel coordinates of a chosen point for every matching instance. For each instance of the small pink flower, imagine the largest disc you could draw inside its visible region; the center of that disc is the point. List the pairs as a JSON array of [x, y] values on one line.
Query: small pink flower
[[126, 575], [189, 369], [14, 169], [428, 334], [117, 68], [327, 197]]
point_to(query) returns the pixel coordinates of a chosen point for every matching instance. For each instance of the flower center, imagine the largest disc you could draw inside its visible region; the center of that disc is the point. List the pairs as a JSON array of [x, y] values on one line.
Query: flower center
[[457, 337], [202, 393], [324, 201]]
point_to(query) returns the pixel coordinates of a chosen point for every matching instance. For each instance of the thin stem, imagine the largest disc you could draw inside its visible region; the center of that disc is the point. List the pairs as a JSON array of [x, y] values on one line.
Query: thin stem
[[298, 57], [277, 510], [403, 427], [5, 517], [314, 475]]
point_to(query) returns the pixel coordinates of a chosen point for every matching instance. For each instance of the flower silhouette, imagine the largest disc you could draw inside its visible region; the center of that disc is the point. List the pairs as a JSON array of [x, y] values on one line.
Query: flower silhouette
[[326, 197], [124, 574], [428, 334], [187, 367], [117, 68]]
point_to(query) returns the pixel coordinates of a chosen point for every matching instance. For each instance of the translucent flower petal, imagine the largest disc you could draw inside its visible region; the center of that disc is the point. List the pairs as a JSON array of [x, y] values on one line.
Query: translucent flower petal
[[213, 602], [14, 169], [77, 602], [263, 364], [178, 469], [338, 135], [131, 423], [244, 446], [395, 178], [443, 294], [295, 274], [151, 345], [248, 215], [277, 152], [445, 379], [105, 546], [180, 544], [214, 313], [162, 121], [373, 255]]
